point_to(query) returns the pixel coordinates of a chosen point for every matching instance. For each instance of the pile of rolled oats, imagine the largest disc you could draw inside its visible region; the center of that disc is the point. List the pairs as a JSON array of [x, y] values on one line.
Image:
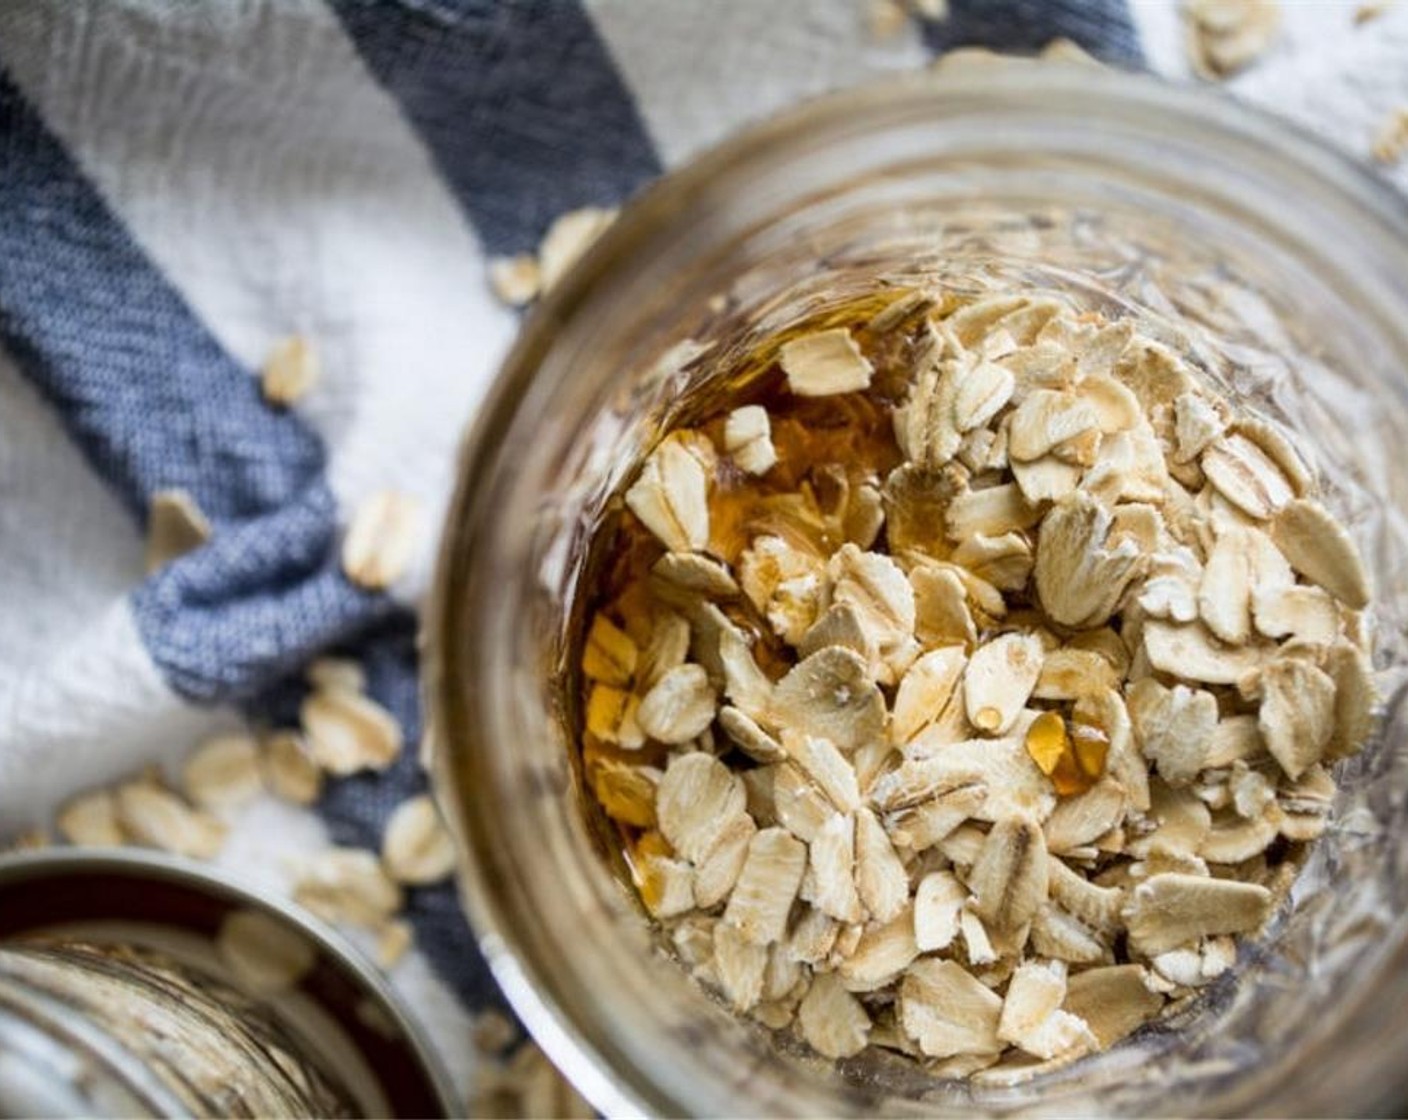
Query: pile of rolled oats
[[971, 687], [344, 731]]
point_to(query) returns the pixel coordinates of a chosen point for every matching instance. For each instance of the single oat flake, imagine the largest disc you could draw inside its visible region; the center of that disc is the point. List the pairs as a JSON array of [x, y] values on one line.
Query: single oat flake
[[266, 956], [670, 497], [337, 672], [393, 942], [91, 820], [1391, 141], [1370, 10], [417, 849], [748, 438], [290, 770], [825, 363], [967, 687], [381, 540], [516, 280], [1225, 36], [567, 239], [347, 885], [223, 772], [175, 526], [348, 732], [290, 372]]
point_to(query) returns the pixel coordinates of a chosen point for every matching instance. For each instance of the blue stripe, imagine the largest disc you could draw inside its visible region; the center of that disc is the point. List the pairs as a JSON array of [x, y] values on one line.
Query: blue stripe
[[153, 401], [356, 810], [148, 394], [519, 103], [1102, 27]]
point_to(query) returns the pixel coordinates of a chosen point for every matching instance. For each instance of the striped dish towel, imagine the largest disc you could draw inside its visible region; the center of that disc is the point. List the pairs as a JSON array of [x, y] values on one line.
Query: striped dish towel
[[184, 185]]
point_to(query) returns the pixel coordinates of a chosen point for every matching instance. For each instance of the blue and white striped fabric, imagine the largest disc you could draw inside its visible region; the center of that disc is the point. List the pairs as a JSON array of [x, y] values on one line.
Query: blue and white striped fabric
[[181, 185]]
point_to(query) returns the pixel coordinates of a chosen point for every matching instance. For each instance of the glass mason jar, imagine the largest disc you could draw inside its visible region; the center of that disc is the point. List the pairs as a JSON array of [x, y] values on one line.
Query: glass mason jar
[[1279, 266], [134, 983]]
